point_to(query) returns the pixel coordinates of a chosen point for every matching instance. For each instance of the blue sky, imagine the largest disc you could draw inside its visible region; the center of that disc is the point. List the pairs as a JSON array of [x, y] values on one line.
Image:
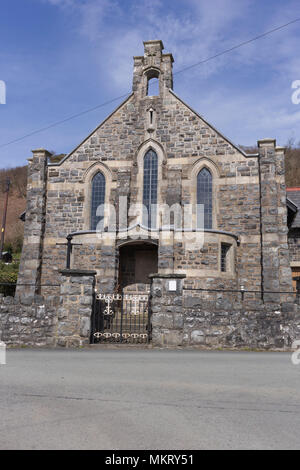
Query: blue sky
[[60, 57]]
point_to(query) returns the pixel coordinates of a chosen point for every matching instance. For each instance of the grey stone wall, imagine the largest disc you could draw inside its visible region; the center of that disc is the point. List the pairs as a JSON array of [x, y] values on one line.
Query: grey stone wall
[[28, 324], [167, 310], [74, 313], [275, 254], [181, 317], [29, 278], [223, 324], [63, 320], [239, 213], [190, 317]]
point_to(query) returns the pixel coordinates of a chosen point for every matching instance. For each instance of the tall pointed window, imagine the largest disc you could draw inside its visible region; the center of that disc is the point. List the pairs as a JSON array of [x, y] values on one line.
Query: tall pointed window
[[150, 189], [98, 198], [204, 199]]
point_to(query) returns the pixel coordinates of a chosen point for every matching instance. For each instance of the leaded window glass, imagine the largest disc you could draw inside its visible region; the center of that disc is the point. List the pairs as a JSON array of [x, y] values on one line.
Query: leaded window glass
[[98, 198], [204, 198], [150, 189], [224, 254]]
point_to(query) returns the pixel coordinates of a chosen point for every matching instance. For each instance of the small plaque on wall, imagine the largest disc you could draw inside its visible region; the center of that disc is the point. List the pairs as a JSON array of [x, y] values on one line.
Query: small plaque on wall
[[172, 285]]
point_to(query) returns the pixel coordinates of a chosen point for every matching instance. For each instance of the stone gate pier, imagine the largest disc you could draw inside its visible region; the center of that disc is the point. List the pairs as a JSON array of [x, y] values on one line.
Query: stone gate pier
[[74, 314], [167, 309], [62, 320]]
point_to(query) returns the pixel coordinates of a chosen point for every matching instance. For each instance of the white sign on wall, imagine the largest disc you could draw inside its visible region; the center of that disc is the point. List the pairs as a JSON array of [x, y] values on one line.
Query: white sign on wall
[[172, 285]]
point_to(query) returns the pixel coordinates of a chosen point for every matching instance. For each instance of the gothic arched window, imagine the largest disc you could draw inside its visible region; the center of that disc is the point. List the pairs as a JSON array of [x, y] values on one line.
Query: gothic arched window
[[150, 189], [204, 197], [98, 198]]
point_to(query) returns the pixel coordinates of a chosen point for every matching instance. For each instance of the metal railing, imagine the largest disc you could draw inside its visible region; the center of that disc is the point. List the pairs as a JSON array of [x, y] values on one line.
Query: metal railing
[[246, 294], [8, 289]]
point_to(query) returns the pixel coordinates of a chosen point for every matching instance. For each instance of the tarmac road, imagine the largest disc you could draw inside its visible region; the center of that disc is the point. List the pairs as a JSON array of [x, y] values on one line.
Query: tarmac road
[[149, 399]]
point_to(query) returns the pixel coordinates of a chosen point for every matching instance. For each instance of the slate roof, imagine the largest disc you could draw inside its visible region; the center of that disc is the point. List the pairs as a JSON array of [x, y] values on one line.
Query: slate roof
[[293, 195]]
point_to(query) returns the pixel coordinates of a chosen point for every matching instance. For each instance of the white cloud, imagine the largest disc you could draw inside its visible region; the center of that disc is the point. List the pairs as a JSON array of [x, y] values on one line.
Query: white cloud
[[246, 117], [119, 28], [194, 30], [61, 3], [197, 30]]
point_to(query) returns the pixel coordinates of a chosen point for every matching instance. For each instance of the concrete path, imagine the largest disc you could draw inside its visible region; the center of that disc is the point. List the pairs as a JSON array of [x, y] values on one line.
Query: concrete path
[[149, 399]]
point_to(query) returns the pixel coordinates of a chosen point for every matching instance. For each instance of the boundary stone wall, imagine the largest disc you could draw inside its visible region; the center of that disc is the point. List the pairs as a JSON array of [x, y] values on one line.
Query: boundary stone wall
[[186, 318], [28, 324], [53, 321]]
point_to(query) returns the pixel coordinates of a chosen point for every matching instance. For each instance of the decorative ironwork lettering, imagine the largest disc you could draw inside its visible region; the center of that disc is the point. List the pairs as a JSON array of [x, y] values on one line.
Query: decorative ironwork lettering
[[120, 317]]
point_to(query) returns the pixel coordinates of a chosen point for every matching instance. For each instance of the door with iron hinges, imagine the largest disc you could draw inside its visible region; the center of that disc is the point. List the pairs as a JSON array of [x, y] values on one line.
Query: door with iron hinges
[[121, 318]]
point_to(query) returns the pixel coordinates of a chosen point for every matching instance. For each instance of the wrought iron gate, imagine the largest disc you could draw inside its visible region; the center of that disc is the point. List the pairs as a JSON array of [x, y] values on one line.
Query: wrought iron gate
[[121, 318]]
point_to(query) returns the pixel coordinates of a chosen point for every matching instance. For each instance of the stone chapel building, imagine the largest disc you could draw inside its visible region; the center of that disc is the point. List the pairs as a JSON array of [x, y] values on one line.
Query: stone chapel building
[[155, 149]]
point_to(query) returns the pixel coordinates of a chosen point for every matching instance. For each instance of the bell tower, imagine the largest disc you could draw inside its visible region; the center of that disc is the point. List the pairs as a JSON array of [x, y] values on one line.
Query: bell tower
[[153, 64]]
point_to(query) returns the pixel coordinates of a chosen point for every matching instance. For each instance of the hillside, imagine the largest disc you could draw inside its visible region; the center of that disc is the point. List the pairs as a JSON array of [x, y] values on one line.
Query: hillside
[[16, 202], [292, 165], [16, 205]]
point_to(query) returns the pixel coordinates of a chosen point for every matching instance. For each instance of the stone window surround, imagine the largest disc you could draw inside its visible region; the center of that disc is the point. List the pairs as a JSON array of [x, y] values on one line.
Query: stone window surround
[[98, 198], [87, 181], [93, 169], [224, 256], [201, 163], [151, 124], [150, 144], [230, 256], [204, 196]]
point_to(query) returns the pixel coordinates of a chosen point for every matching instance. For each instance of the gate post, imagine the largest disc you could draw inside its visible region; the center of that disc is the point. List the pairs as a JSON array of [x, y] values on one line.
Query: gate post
[[167, 309], [29, 278], [76, 303]]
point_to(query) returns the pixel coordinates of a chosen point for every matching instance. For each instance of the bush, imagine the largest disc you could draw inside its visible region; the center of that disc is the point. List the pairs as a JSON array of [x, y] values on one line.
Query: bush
[[8, 247]]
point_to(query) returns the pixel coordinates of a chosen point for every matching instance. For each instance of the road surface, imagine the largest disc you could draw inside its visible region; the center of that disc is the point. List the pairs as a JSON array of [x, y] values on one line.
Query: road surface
[[149, 399]]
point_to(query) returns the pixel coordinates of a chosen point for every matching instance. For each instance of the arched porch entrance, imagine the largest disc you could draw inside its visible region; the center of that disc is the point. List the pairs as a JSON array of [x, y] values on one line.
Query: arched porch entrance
[[125, 315], [136, 261]]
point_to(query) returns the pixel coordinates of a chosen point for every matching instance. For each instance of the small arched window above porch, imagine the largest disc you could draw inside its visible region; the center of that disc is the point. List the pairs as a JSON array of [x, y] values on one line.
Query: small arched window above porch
[[97, 199], [204, 199]]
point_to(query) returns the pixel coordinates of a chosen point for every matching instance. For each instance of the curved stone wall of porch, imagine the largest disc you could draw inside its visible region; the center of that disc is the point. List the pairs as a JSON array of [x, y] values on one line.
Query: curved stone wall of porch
[[195, 254]]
